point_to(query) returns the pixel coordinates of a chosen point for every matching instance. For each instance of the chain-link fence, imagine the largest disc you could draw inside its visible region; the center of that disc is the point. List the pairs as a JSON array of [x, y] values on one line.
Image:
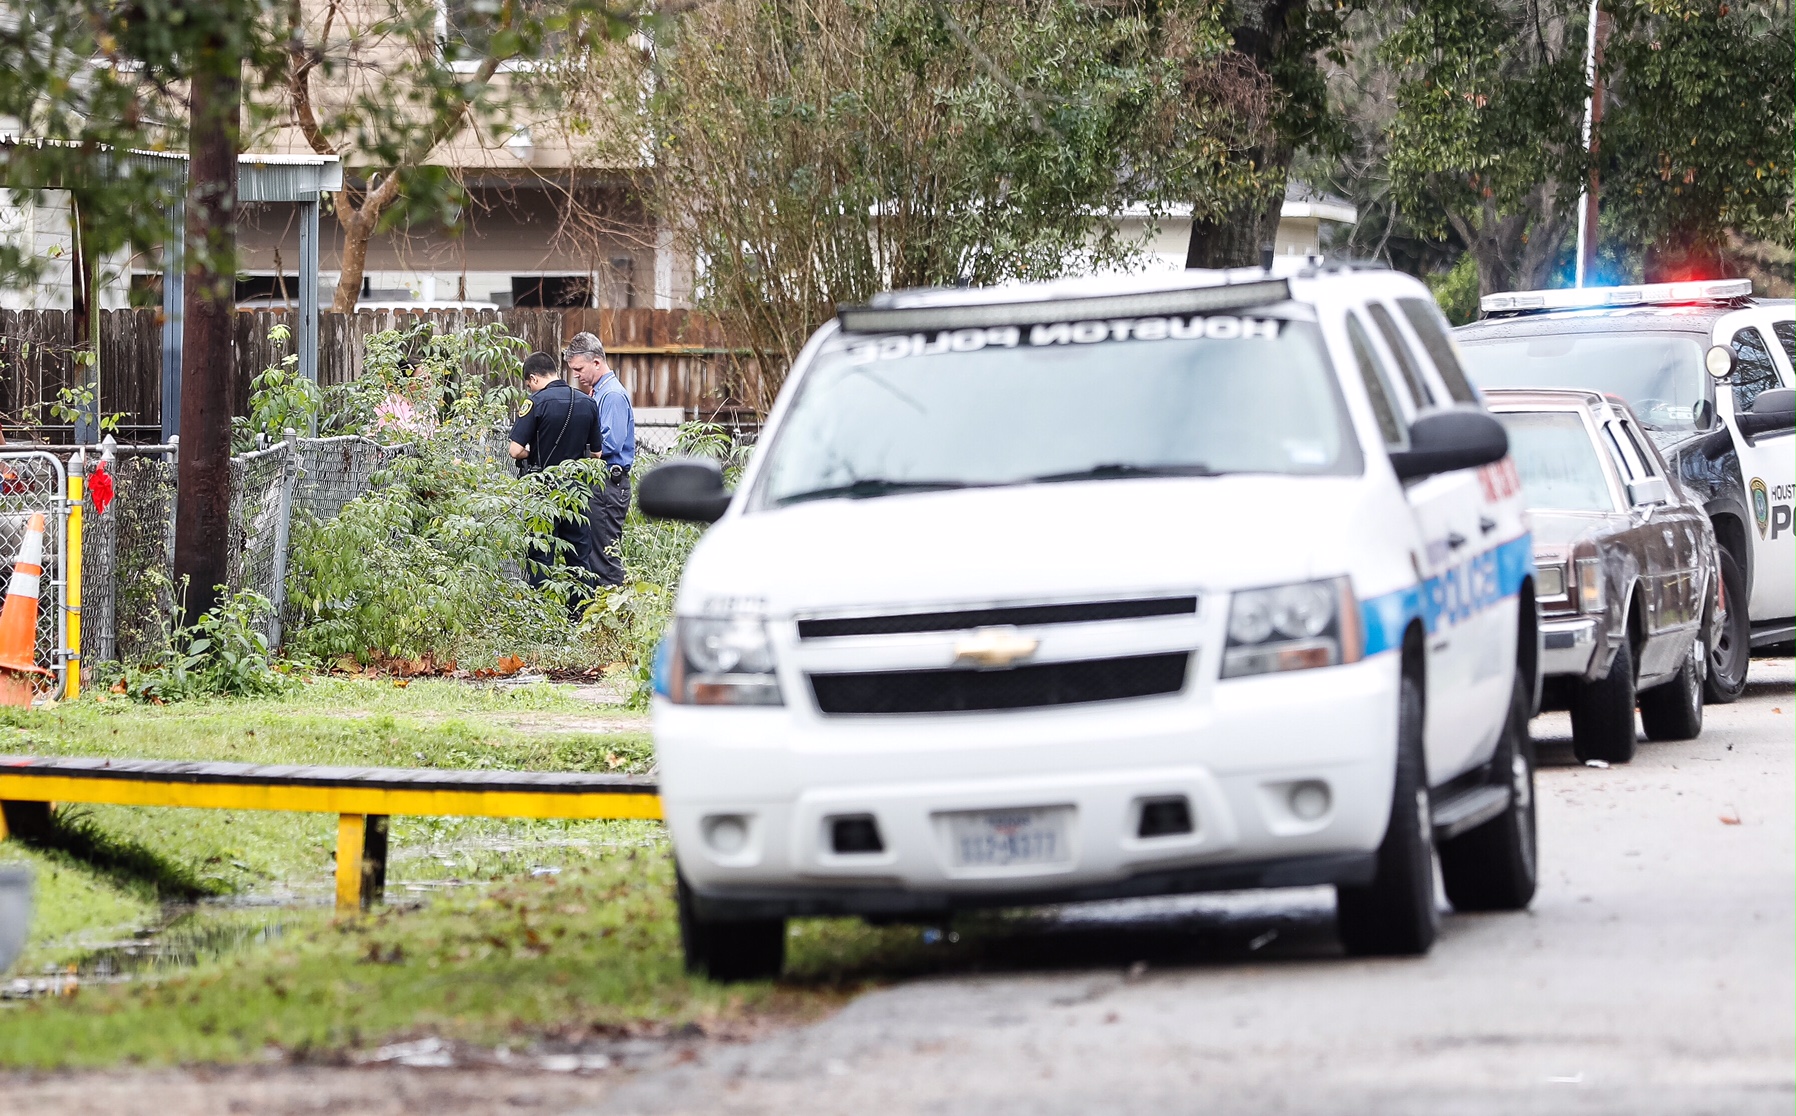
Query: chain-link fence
[[334, 471], [34, 483], [127, 555], [262, 485], [128, 552]]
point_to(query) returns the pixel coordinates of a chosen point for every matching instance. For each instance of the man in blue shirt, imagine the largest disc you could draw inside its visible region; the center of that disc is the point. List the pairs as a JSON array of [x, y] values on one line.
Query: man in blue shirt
[[585, 358]]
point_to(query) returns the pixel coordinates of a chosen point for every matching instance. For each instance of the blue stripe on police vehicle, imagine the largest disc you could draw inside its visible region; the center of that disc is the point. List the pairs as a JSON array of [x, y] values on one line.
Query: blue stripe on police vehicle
[[1449, 597]]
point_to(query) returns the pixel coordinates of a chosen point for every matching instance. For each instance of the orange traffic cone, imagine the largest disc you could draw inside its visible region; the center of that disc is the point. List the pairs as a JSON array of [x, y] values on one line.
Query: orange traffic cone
[[18, 620]]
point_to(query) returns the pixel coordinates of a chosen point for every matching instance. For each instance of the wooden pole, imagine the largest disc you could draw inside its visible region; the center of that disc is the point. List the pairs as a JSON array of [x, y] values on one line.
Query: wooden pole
[[203, 480]]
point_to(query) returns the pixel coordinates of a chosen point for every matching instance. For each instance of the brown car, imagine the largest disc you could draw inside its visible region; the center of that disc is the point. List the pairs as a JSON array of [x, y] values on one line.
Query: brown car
[[1624, 564]]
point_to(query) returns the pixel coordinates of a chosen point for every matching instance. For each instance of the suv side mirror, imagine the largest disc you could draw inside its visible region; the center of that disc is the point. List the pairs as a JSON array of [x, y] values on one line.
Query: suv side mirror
[[1649, 490], [688, 488], [1773, 412], [1444, 441]]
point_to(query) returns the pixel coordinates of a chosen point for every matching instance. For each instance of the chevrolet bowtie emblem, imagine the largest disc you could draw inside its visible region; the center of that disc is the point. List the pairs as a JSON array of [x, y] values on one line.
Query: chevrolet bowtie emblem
[[990, 648]]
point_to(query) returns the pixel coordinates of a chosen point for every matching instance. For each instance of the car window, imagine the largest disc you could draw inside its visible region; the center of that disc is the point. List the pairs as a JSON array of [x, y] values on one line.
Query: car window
[[1557, 461], [1753, 370], [1660, 374], [1641, 453], [1786, 336], [1425, 318], [1390, 422], [1185, 395], [1393, 339]]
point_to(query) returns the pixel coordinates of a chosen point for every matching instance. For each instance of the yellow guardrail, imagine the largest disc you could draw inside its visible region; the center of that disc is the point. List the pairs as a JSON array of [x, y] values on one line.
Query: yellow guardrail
[[363, 798]]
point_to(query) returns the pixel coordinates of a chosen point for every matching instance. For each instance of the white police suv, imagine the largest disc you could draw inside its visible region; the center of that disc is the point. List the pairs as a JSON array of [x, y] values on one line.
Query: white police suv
[[1104, 588]]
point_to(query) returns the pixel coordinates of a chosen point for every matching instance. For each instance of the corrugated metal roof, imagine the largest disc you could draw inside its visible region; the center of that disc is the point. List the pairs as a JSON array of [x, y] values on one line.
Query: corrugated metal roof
[[260, 178]]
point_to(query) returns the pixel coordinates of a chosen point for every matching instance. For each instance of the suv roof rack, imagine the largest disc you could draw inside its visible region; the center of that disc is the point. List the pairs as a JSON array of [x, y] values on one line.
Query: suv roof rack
[[1639, 294], [974, 314]]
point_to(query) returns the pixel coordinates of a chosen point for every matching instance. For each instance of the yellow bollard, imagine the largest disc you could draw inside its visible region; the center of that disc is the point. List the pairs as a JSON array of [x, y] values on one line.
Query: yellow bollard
[[72, 591], [350, 835]]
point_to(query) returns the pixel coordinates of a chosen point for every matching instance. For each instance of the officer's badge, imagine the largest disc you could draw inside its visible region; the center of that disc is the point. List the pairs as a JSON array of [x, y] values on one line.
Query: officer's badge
[[525, 408], [1761, 504]]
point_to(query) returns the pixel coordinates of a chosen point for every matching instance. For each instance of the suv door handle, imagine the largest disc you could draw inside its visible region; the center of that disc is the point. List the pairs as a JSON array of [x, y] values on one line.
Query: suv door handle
[[1455, 541], [1486, 524]]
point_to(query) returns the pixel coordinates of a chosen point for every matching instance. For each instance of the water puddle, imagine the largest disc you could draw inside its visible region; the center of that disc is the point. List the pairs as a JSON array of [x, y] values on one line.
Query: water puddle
[[187, 935]]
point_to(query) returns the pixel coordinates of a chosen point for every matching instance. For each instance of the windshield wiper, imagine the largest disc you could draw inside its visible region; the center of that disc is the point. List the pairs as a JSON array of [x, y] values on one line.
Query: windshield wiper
[[868, 487], [1115, 469]]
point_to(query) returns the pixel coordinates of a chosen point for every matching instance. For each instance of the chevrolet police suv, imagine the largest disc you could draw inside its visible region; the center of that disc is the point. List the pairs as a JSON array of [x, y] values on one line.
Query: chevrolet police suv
[[1104, 588], [1707, 369]]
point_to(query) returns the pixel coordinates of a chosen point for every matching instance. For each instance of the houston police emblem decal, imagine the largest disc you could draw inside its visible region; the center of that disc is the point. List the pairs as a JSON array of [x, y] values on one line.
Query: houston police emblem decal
[[1761, 505]]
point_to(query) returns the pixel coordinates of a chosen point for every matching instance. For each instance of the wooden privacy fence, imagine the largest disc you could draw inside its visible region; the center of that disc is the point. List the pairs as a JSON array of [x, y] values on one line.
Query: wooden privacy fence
[[666, 358]]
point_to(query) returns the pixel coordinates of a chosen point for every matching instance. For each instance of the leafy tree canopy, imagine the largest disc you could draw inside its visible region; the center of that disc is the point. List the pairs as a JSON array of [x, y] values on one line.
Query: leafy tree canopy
[[1697, 141], [813, 152]]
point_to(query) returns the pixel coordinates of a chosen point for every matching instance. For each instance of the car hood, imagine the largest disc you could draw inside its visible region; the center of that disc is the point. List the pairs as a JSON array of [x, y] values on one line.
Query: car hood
[[1557, 531], [1034, 542]]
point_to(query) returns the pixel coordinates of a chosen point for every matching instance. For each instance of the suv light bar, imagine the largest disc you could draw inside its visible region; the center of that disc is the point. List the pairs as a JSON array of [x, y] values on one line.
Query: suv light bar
[[1645, 294], [1191, 300]]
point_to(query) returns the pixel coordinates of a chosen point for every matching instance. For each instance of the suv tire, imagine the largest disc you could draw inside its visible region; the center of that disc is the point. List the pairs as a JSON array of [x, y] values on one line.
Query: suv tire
[[1729, 635], [750, 949], [1602, 712], [1494, 867], [1395, 913], [1673, 710]]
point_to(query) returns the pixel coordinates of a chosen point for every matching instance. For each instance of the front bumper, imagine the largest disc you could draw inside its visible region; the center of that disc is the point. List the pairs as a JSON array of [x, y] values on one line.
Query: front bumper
[[1567, 646], [1233, 750]]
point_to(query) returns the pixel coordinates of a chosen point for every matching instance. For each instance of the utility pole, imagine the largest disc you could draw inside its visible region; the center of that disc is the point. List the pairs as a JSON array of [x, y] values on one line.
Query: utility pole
[[203, 479], [1593, 119]]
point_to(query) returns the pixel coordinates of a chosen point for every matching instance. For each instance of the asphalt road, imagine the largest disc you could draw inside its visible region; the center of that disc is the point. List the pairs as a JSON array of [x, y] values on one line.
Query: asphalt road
[[1654, 974]]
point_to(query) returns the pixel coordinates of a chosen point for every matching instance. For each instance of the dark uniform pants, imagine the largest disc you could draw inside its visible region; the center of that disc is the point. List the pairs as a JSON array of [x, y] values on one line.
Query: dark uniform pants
[[606, 518], [579, 552]]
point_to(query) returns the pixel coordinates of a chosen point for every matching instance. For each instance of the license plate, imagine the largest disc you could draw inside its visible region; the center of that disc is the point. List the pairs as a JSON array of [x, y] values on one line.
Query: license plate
[[1010, 838]]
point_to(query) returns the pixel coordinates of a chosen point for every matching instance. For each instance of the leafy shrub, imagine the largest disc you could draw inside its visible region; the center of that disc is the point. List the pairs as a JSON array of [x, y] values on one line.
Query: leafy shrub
[[414, 379], [279, 398], [222, 653], [432, 560], [1457, 290]]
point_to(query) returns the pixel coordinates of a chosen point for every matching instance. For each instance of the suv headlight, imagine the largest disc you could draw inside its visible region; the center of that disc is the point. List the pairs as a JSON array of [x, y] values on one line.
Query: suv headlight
[[724, 660], [1292, 627]]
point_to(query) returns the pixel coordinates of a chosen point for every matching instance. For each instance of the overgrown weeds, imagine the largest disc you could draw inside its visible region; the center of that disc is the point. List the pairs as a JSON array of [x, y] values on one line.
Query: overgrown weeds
[[224, 652]]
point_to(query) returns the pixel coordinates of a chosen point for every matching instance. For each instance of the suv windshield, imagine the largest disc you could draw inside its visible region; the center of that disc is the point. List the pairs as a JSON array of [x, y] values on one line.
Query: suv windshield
[[1557, 461], [1068, 401], [1659, 374]]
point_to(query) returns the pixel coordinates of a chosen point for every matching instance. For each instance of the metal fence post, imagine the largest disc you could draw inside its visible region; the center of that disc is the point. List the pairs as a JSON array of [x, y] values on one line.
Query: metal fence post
[[283, 529], [71, 593]]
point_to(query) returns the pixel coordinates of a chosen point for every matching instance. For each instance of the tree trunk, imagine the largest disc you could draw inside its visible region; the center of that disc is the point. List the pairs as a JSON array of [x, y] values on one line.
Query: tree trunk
[[358, 223], [203, 482], [1241, 236], [353, 262]]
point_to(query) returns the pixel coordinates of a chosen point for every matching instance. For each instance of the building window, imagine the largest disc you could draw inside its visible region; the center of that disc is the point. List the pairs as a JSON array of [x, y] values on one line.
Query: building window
[[551, 292]]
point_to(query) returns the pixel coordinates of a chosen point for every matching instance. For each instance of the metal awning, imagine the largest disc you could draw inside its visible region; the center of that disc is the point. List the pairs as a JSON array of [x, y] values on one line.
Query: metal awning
[[261, 179]]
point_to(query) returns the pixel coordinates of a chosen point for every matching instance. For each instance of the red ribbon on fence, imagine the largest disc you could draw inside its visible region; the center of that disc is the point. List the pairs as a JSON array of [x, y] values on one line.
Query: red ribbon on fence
[[99, 486]]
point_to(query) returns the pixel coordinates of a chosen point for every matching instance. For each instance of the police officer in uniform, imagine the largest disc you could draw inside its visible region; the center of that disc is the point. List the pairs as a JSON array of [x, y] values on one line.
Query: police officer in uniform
[[585, 358], [556, 424]]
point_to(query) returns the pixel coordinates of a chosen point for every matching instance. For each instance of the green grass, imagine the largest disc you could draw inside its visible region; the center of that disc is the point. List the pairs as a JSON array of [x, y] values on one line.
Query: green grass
[[109, 866], [591, 952], [473, 947]]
